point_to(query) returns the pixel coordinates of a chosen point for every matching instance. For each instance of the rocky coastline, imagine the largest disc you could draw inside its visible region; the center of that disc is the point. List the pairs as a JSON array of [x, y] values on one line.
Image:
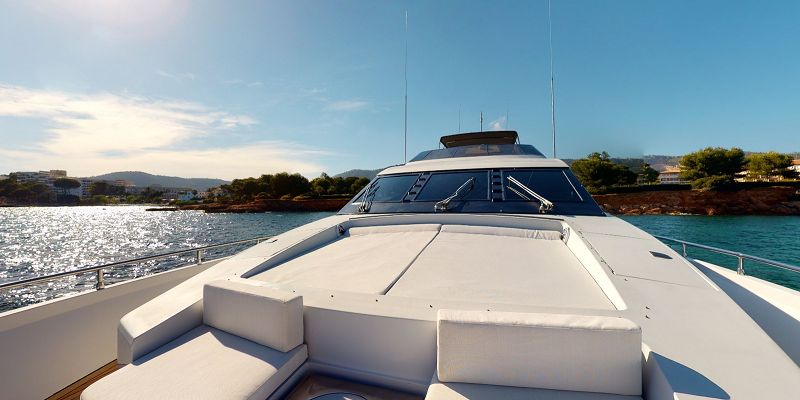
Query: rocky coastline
[[762, 201], [258, 206]]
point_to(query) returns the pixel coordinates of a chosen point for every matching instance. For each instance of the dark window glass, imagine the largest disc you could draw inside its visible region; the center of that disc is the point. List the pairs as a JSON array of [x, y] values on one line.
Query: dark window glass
[[530, 150], [552, 185], [442, 186], [391, 188], [478, 150]]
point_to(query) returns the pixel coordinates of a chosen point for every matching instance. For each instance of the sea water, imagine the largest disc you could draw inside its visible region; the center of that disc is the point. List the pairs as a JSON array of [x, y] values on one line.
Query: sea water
[[38, 241], [772, 237]]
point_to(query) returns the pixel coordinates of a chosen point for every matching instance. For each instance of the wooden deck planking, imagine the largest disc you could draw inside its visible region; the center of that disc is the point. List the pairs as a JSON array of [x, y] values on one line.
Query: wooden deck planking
[[73, 391]]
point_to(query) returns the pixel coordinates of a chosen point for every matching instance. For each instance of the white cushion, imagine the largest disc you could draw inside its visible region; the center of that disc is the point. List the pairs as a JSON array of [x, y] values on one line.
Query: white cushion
[[548, 351], [204, 363], [266, 316], [366, 230], [470, 391], [535, 272], [364, 260], [500, 231]]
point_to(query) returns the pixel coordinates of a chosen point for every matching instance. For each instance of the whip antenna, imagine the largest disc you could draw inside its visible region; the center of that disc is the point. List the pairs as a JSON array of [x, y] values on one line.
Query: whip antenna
[[405, 117], [552, 96]]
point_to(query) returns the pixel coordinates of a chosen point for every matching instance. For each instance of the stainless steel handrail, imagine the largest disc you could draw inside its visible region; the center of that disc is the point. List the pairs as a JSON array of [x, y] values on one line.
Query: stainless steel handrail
[[740, 256], [100, 284]]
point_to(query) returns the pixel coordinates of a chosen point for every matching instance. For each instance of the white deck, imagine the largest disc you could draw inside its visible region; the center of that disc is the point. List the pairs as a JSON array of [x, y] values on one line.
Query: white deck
[[503, 265]]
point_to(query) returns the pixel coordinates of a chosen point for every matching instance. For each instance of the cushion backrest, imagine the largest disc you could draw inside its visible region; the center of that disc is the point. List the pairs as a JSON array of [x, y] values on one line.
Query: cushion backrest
[[269, 317], [548, 351]]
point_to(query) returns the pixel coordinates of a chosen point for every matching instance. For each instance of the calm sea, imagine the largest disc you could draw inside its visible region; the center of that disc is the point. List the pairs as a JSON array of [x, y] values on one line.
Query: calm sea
[[775, 238], [39, 241], [46, 240]]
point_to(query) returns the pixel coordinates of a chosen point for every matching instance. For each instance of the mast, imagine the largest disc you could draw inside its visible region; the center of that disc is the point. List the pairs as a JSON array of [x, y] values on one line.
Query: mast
[[552, 95]]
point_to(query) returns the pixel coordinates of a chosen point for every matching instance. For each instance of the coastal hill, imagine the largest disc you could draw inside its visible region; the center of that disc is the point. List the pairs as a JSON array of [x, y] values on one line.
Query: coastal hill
[[139, 178]]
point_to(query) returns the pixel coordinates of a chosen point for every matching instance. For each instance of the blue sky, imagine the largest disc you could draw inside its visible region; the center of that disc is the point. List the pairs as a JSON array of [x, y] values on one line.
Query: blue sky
[[240, 88]]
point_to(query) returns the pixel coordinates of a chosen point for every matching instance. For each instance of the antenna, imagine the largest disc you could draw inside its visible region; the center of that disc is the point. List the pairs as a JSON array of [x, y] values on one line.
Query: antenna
[[459, 118], [506, 114], [481, 121], [405, 117], [552, 95]]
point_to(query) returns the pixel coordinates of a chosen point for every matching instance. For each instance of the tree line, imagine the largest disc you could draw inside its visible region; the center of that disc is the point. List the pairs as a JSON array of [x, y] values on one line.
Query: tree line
[[99, 192], [287, 186], [710, 168]]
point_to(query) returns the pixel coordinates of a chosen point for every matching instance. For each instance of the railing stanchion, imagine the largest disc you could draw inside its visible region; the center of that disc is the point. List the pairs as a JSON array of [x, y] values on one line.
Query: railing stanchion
[[100, 284], [740, 256], [99, 269], [740, 271]]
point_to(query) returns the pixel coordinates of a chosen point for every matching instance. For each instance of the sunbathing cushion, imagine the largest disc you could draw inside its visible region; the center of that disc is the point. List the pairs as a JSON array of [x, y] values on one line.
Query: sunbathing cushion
[[204, 363], [471, 391], [266, 316], [500, 231], [548, 351]]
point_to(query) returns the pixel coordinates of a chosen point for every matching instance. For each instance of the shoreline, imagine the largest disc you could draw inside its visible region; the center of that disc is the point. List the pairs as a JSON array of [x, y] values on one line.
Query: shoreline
[[777, 200]]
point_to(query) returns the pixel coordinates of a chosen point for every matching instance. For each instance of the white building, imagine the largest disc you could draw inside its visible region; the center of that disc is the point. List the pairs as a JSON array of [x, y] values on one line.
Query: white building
[[83, 191], [185, 196], [795, 165], [670, 177]]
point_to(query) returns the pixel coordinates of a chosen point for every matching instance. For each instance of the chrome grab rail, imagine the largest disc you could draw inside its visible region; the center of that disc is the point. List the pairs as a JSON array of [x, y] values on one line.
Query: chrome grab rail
[[740, 256], [100, 284]]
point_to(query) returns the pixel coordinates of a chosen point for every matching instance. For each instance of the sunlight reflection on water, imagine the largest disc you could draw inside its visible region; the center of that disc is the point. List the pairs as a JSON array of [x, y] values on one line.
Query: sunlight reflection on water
[[38, 241]]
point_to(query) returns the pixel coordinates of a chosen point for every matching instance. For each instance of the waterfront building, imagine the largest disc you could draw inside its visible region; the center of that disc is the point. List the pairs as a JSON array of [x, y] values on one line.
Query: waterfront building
[[185, 196], [83, 191], [670, 177]]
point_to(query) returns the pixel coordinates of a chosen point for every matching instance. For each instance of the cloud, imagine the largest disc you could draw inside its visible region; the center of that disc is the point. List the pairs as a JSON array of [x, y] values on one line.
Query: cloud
[[241, 82], [102, 132], [177, 78], [345, 105], [498, 124]]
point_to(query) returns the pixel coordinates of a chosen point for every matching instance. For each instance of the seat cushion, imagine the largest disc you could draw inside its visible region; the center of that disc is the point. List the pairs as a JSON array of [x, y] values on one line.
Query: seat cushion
[[471, 391], [546, 351], [264, 315], [204, 363]]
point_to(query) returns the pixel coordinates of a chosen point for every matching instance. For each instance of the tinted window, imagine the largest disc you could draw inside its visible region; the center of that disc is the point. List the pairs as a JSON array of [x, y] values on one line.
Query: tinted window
[[552, 185], [442, 186], [392, 188]]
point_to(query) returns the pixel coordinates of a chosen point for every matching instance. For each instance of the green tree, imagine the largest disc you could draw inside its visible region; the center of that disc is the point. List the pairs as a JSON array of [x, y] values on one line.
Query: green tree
[[649, 174], [98, 188], [66, 185], [715, 161], [359, 184], [23, 194], [597, 171], [41, 192], [770, 165], [8, 186]]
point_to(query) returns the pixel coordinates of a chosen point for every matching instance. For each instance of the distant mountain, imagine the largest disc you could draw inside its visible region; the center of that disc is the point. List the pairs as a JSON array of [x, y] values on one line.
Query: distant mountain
[[360, 173], [144, 179]]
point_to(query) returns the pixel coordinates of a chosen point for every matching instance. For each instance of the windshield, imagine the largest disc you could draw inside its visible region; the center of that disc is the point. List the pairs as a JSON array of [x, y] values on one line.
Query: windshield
[[392, 188], [552, 185], [478, 191], [442, 185]]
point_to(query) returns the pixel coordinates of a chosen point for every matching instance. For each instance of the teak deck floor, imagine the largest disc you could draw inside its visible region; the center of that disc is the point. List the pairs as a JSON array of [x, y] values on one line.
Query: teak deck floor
[[73, 391]]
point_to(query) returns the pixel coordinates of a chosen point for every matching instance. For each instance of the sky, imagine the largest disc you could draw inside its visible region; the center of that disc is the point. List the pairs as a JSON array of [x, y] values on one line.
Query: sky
[[242, 88]]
